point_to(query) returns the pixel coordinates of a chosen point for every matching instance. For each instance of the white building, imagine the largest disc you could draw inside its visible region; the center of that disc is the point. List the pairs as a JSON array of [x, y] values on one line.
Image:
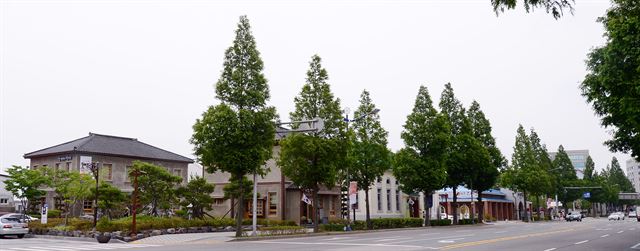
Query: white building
[[386, 200], [633, 173], [6, 198]]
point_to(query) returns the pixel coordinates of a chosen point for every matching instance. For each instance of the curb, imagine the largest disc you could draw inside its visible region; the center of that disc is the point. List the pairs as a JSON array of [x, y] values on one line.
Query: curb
[[277, 237], [84, 239]]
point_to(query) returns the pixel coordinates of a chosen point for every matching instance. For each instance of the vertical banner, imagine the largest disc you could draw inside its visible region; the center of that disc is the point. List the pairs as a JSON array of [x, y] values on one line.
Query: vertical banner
[[85, 161], [43, 214], [353, 190]]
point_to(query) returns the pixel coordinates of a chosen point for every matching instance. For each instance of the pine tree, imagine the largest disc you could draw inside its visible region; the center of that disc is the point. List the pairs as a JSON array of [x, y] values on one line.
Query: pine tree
[[484, 176], [369, 155], [420, 165], [237, 136], [565, 174], [617, 177], [457, 170], [312, 161], [589, 169]]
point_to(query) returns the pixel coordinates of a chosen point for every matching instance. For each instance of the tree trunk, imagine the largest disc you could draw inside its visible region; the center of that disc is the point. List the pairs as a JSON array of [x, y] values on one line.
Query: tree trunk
[[454, 206], [368, 214], [316, 210], [480, 209], [240, 212], [538, 208], [427, 216], [526, 210]]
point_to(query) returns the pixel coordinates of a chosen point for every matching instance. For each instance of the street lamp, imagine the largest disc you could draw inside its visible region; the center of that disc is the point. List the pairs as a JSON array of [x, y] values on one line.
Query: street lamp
[[348, 182], [95, 170]]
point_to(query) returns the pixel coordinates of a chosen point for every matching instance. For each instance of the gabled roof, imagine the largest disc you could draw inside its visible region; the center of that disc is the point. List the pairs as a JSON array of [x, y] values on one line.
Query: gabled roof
[[110, 145]]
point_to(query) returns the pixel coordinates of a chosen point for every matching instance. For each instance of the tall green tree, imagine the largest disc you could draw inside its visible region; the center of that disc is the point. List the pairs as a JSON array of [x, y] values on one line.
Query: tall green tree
[[313, 160], [196, 196], [156, 187], [524, 174], [237, 136], [485, 175], [543, 161], [589, 169], [555, 7], [420, 165], [617, 177], [71, 187], [565, 174], [611, 84], [369, 155], [458, 167], [25, 183]]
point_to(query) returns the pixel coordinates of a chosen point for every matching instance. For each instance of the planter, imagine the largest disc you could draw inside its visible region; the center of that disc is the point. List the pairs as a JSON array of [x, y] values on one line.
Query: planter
[[103, 238]]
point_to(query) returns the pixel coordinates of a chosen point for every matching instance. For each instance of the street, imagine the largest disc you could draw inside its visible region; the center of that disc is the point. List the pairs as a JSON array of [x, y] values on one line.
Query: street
[[590, 234]]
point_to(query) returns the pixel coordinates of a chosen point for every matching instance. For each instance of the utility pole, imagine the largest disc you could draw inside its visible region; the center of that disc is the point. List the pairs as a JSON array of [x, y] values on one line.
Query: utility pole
[[136, 173]]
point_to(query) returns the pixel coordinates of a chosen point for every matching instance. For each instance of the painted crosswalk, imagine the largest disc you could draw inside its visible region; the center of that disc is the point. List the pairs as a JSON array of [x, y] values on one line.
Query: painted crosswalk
[[78, 247]]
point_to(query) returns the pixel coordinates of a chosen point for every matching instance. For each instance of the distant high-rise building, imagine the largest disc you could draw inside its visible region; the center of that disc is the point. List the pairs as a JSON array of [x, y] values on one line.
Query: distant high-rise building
[[633, 173], [578, 160]]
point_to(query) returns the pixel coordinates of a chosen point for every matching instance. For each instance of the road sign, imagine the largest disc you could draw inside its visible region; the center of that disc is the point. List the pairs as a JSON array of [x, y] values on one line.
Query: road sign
[[43, 214], [411, 202], [353, 191], [586, 195]]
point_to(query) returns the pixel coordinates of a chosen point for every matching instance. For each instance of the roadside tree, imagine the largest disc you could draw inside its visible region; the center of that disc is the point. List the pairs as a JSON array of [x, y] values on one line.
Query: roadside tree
[[420, 165], [237, 136], [156, 187], [25, 183], [196, 195]]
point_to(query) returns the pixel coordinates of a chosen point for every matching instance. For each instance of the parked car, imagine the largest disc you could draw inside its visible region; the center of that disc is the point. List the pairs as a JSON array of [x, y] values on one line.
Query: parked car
[[574, 216], [633, 214], [616, 216], [21, 217], [12, 226]]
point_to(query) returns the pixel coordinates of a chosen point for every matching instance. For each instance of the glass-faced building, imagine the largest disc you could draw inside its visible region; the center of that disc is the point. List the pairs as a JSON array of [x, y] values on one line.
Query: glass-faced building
[[578, 159]]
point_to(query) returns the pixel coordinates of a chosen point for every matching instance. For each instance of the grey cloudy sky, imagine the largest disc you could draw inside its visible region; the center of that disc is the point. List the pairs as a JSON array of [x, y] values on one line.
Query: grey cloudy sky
[[147, 69]]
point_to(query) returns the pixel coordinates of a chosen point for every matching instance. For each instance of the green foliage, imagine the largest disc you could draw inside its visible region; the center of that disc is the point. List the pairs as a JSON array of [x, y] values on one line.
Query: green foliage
[[25, 183], [565, 174], [613, 79], [52, 213], [381, 223], [312, 160], [589, 169], [282, 230], [368, 154], [420, 165], [111, 200], [72, 187], [555, 7], [196, 193], [617, 177], [466, 222], [233, 189], [155, 186], [484, 176], [441, 222]]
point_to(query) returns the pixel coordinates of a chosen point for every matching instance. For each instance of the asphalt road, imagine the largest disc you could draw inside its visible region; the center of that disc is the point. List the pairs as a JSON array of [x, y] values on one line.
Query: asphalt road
[[590, 234]]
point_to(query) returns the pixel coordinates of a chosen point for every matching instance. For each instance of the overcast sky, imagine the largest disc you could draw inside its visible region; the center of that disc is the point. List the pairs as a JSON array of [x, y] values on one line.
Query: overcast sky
[[147, 69]]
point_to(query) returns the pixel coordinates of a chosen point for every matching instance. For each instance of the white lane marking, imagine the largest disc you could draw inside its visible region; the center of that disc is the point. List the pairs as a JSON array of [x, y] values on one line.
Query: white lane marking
[[429, 239], [580, 242], [392, 239], [637, 246], [632, 229], [621, 231], [335, 238], [604, 236], [551, 249], [603, 229], [27, 249], [500, 232], [450, 240], [340, 244]]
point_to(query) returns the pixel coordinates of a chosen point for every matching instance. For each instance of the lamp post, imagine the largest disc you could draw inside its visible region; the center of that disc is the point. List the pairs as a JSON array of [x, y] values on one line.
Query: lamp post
[[348, 182], [95, 170]]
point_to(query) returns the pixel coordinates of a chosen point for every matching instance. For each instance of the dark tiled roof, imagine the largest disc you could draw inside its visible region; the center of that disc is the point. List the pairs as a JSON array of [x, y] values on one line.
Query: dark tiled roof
[[110, 145]]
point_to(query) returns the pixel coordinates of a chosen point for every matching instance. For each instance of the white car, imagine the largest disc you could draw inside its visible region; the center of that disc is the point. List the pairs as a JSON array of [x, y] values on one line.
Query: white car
[[633, 214], [26, 218], [12, 226], [616, 216]]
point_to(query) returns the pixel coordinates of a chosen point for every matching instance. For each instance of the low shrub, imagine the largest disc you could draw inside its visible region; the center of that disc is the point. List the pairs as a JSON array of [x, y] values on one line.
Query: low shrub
[[466, 221], [441, 222], [282, 230], [53, 213]]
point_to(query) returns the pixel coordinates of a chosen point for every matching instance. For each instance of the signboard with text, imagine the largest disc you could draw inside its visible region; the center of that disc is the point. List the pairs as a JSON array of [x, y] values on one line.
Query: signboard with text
[[85, 162]]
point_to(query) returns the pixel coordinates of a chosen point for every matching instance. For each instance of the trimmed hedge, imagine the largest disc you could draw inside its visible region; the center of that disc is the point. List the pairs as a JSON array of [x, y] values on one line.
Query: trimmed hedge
[[74, 224], [381, 223], [465, 221], [148, 222], [441, 222]]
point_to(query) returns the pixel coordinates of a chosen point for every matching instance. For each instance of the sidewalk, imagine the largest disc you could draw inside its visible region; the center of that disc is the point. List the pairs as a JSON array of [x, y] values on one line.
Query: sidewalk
[[214, 237]]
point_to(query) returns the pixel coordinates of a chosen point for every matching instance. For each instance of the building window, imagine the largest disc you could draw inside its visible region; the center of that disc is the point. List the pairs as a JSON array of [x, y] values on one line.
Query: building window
[[107, 170], [177, 172], [379, 179], [87, 206], [45, 166], [35, 167], [273, 203], [218, 201], [388, 199], [397, 182], [127, 169], [259, 209], [397, 200], [57, 166], [4, 200], [379, 199], [69, 166], [388, 181], [332, 207]]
